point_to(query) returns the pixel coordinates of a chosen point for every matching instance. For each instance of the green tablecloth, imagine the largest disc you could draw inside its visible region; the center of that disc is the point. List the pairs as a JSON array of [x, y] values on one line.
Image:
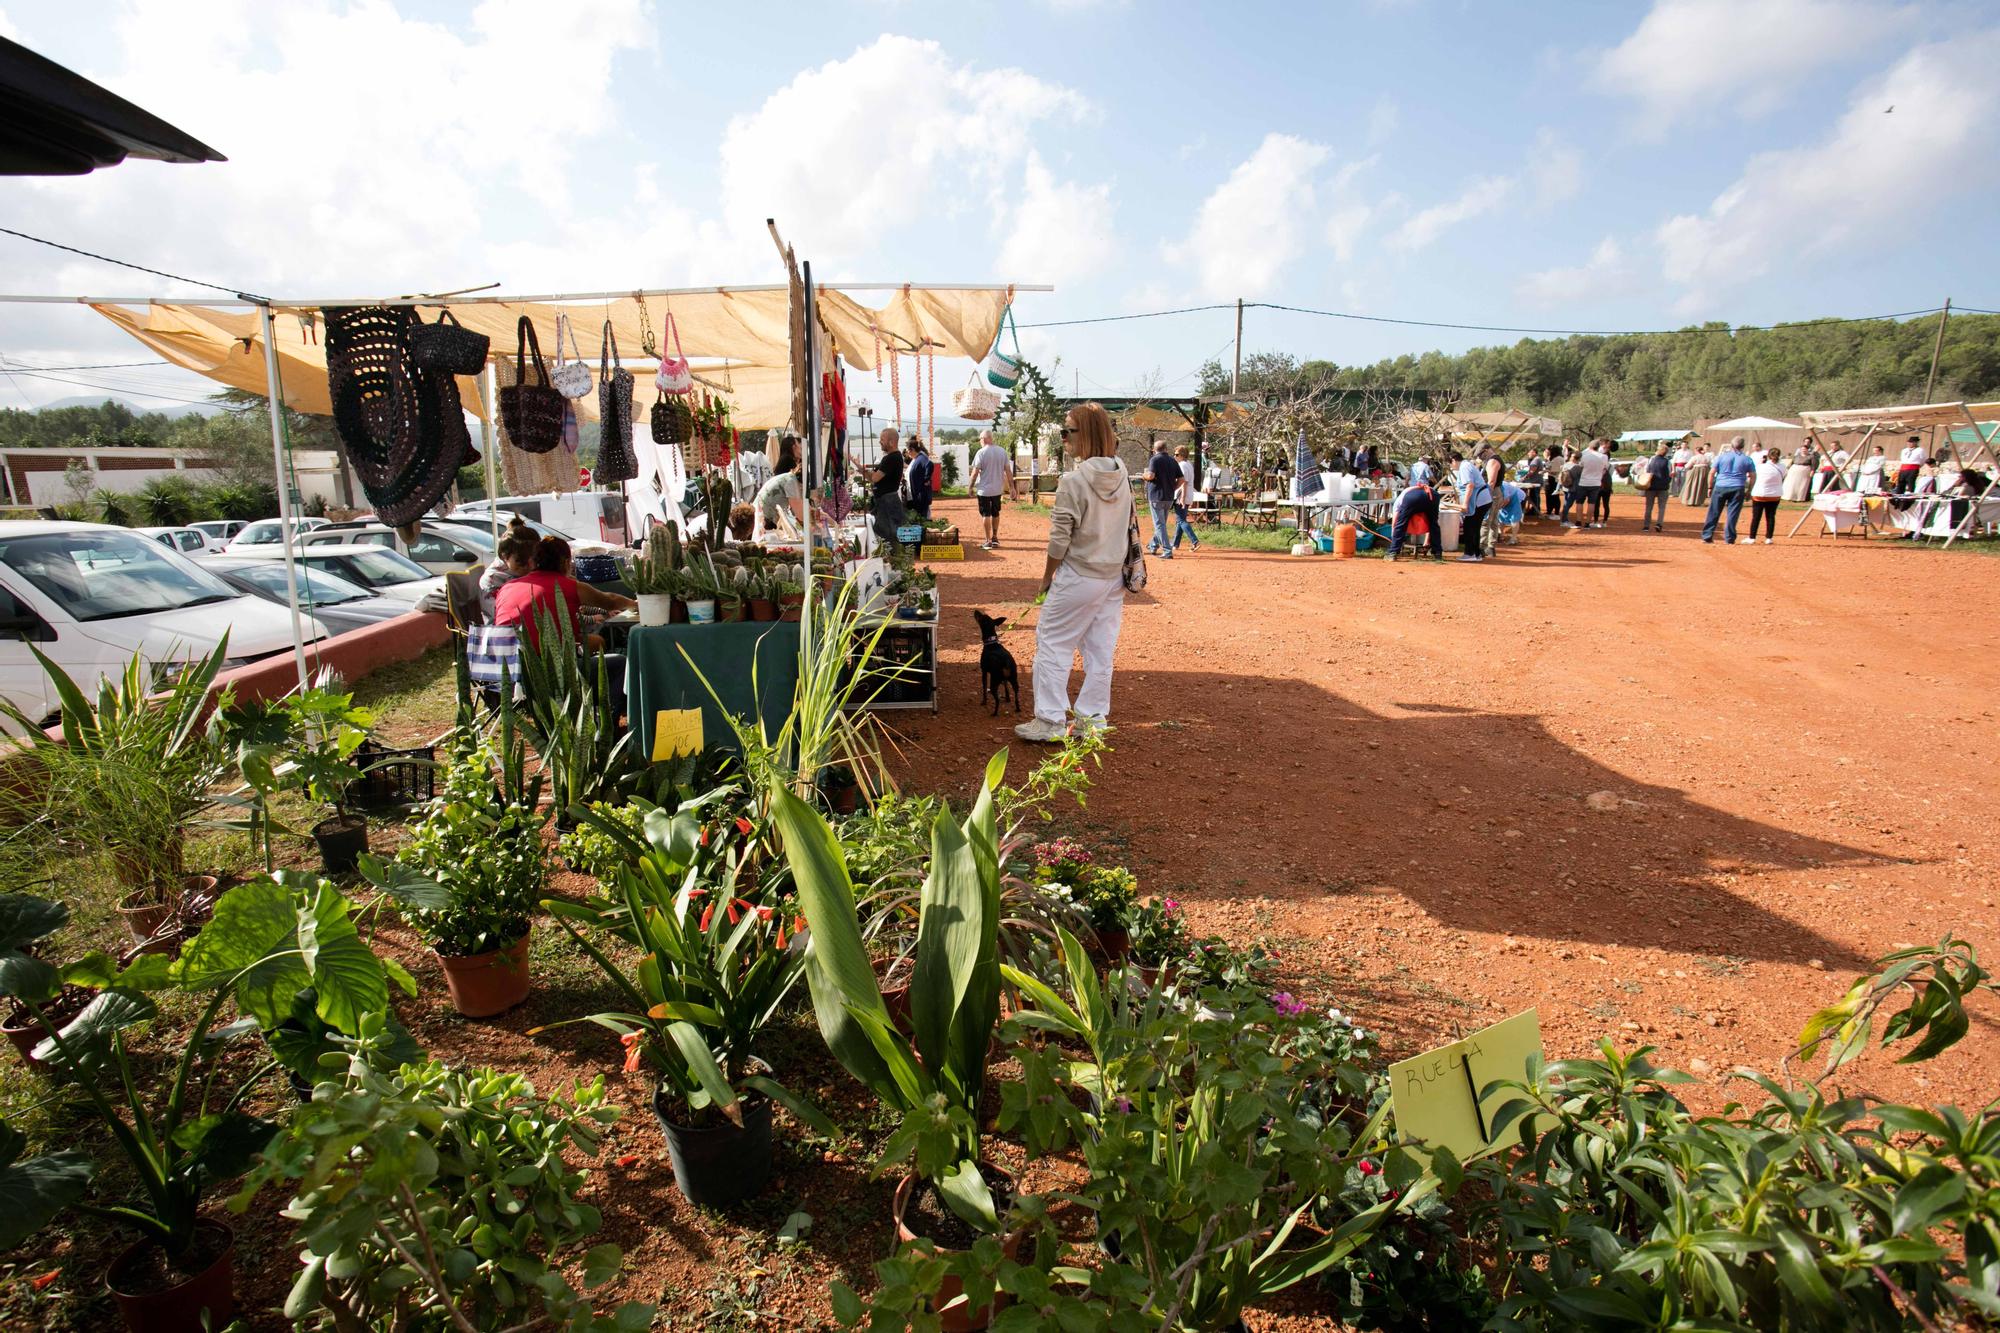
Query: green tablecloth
[[658, 677]]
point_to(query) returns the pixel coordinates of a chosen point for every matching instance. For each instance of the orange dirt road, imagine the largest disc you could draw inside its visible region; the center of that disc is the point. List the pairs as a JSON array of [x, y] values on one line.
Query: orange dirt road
[[1394, 772]]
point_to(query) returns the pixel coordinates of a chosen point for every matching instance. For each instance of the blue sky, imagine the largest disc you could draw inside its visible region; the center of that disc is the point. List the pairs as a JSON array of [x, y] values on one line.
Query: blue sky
[[1582, 165]]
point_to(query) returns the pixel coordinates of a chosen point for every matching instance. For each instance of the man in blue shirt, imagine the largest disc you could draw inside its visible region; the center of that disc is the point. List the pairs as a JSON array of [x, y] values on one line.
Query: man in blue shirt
[[1733, 471], [1163, 488]]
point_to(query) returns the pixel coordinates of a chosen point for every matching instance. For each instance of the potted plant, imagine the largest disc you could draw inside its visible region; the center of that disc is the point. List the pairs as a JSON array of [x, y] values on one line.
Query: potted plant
[[1158, 940], [654, 577], [933, 1079], [763, 593], [266, 942], [1104, 895], [789, 590], [719, 958], [306, 742], [403, 1217], [732, 593], [699, 587], [128, 774], [570, 719], [485, 852]]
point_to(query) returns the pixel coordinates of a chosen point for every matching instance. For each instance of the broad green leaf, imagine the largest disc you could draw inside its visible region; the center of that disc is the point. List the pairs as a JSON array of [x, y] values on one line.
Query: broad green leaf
[[252, 944], [701, 1063], [1919, 1201], [87, 1037], [601, 1264], [25, 918], [965, 1190], [347, 977], [405, 886], [225, 1145], [950, 922], [24, 977], [34, 1191]]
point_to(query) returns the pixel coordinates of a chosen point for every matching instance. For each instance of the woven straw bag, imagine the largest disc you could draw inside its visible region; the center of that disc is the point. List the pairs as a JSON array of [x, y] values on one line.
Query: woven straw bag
[[571, 377], [975, 402], [1003, 371], [530, 408], [446, 346], [673, 376], [404, 428], [615, 460]]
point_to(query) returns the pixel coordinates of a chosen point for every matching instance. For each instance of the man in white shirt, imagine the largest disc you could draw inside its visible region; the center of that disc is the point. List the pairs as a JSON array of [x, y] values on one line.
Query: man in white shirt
[[1594, 480], [992, 470], [1912, 462]]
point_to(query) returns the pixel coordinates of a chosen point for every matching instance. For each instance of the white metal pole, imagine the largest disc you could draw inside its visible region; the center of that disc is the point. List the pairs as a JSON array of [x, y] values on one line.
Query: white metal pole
[[811, 445], [274, 399], [489, 394]]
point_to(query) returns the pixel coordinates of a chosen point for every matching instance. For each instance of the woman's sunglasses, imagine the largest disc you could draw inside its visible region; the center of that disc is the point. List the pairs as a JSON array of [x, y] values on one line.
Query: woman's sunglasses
[[1070, 430]]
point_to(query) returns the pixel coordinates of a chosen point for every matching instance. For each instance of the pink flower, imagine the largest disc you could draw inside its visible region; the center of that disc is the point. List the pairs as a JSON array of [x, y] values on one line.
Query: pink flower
[[1286, 1005], [632, 1042], [1366, 1167], [1171, 906]]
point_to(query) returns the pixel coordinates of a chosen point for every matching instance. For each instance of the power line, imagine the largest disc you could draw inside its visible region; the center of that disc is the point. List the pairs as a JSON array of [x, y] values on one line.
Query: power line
[[122, 263], [100, 365], [1114, 319], [110, 388]]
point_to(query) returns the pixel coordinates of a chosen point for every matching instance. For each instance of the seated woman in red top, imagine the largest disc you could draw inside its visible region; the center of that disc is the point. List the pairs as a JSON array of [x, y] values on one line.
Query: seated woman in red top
[[551, 591]]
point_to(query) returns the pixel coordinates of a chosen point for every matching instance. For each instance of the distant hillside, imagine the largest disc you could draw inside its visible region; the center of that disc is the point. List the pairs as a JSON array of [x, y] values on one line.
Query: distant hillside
[[1635, 381], [136, 408]]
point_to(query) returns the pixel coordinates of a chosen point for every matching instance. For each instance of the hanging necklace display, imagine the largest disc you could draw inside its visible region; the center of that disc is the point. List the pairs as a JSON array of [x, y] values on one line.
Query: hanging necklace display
[[531, 409], [571, 377], [616, 461], [404, 428]]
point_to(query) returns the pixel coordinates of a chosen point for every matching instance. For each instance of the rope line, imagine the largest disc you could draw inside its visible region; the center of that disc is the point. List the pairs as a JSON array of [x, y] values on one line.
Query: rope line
[[123, 263]]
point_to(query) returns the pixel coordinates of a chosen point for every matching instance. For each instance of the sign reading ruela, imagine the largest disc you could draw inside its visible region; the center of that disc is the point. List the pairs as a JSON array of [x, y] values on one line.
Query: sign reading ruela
[[1437, 1094]]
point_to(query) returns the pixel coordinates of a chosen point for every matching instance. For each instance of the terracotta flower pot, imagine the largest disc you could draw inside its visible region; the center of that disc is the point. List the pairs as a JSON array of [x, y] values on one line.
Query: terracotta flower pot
[[791, 606], [1113, 945], [25, 1033], [486, 984], [763, 608], [892, 978], [204, 1300], [143, 916], [956, 1318], [730, 610]]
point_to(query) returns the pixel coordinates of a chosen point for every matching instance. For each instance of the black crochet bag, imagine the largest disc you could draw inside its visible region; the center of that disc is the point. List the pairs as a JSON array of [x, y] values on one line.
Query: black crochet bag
[[531, 411], [404, 427], [615, 459], [448, 346]]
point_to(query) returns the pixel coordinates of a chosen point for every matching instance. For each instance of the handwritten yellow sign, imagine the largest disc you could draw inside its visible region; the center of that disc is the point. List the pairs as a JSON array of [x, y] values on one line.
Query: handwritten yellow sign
[[1436, 1094], [676, 731]]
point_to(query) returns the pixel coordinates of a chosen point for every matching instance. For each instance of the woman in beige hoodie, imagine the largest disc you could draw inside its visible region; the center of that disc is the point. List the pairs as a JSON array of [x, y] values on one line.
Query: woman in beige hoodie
[[1090, 529]]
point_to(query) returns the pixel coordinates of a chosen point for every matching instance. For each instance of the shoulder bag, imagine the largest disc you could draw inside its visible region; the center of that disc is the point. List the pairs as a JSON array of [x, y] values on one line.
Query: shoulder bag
[[1134, 574], [531, 411], [1003, 371], [572, 377], [446, 346], [616, 461]]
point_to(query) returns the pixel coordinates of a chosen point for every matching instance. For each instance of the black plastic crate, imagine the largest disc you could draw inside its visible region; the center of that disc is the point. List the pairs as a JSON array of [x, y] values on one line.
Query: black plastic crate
[[392, 779]]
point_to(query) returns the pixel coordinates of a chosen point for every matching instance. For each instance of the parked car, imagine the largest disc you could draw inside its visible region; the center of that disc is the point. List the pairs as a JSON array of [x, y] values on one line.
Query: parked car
[[482, 520], [219, 530], [265, 532], [188, 541], [333, 601], [89, 595], [376, 568], [581, 516], [439, 547]]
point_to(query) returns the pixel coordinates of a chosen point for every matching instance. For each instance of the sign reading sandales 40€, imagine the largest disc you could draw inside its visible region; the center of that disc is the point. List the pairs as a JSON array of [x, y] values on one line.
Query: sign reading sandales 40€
[[1437, 1094]]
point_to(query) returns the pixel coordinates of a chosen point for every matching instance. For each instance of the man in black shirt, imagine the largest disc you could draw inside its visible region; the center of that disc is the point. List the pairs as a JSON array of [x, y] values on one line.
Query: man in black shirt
[[885, 502], [1163, 487]]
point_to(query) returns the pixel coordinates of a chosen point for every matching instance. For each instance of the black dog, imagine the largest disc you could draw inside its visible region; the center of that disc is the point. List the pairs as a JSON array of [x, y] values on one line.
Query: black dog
[[996, 664]]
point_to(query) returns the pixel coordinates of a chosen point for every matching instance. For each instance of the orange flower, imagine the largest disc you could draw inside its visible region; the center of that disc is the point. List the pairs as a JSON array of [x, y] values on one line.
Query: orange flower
[[743, 826], [634, 1041], [43, 1281], [707, 915], [764, 914]]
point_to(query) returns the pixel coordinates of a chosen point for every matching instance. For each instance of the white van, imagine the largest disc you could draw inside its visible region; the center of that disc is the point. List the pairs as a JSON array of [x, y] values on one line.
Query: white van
[[584, 516], [90, 595]]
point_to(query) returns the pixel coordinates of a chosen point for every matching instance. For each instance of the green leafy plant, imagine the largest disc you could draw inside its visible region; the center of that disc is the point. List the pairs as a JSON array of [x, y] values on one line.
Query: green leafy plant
[[933, 1079], [1104, 894], [268, 941], [571, 719], [600, 855], [481, 849], [131, 769], [718, 957], [430, 1198], [303, 742]]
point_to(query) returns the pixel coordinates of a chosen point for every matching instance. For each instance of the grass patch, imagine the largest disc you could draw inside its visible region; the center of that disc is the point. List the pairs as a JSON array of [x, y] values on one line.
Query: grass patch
[[1224, 538], [415, 700]]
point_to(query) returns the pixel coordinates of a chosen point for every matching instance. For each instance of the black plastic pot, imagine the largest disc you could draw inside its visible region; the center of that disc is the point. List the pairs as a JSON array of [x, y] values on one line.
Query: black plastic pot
[[341, 840], [718, 1165]]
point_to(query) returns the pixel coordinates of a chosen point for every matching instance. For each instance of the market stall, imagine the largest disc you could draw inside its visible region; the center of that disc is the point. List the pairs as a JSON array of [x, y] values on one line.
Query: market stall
[[1970, 433]]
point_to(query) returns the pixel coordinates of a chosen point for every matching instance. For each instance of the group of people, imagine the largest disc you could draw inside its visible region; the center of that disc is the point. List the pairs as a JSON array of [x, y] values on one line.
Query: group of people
[[1492, 505]]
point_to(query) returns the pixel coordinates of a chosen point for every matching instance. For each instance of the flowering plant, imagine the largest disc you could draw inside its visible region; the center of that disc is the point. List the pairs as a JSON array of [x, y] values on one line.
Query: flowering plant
[[484, 851], [719, 955], [1105, 894], [1159, 931]]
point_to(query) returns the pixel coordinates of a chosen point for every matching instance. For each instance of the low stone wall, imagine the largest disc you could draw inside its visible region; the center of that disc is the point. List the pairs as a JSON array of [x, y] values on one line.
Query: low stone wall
[[352, 655]]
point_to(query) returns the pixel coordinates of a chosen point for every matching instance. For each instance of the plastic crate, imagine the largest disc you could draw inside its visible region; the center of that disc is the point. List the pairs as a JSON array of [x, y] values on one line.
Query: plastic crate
[[910, 534], [392, 779]]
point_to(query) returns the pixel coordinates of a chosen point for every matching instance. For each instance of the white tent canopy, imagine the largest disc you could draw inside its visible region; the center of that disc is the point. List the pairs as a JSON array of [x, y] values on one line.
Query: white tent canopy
[[1753, 423], [1914, 417]]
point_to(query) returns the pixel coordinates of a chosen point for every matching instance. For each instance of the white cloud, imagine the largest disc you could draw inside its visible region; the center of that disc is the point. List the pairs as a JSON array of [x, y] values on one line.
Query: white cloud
[[1477, 198], [1605, 273], [1688, 58], [842, 150], [1555, 170], [1248, 229], [1383, 118], [1060, 231], [1344, 226], [1861, 184], [7, 28]]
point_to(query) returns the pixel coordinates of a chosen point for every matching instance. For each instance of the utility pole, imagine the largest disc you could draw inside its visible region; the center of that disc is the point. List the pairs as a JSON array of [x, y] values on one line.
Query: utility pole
[[1937, 347], [1236, 375]]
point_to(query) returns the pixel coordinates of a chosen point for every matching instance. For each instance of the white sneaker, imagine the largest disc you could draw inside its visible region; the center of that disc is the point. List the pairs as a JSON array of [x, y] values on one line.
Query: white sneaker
[[1041, 732], [1767, 541], [1468, 560], [1746, 541]]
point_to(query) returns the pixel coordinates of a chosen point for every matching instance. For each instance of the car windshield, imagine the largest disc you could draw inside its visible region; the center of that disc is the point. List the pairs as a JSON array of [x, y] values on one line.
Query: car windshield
[[380, 568], [105, 575], [317, 587], [480, 523]]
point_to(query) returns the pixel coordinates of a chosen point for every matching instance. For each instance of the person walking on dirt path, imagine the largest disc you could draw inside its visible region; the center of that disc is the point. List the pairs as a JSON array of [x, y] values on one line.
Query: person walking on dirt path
[[1594, 479], [1185, 498], [885, 499], [1476, 499], [1765, 493], [1733, 470], [920, 474], [1083, 584], [1163, 487], [992, 470], [1656, 472]]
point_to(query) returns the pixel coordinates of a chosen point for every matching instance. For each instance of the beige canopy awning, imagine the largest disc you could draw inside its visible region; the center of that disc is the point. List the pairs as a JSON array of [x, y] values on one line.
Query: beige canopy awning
[[738, 340], [1900, 418]]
